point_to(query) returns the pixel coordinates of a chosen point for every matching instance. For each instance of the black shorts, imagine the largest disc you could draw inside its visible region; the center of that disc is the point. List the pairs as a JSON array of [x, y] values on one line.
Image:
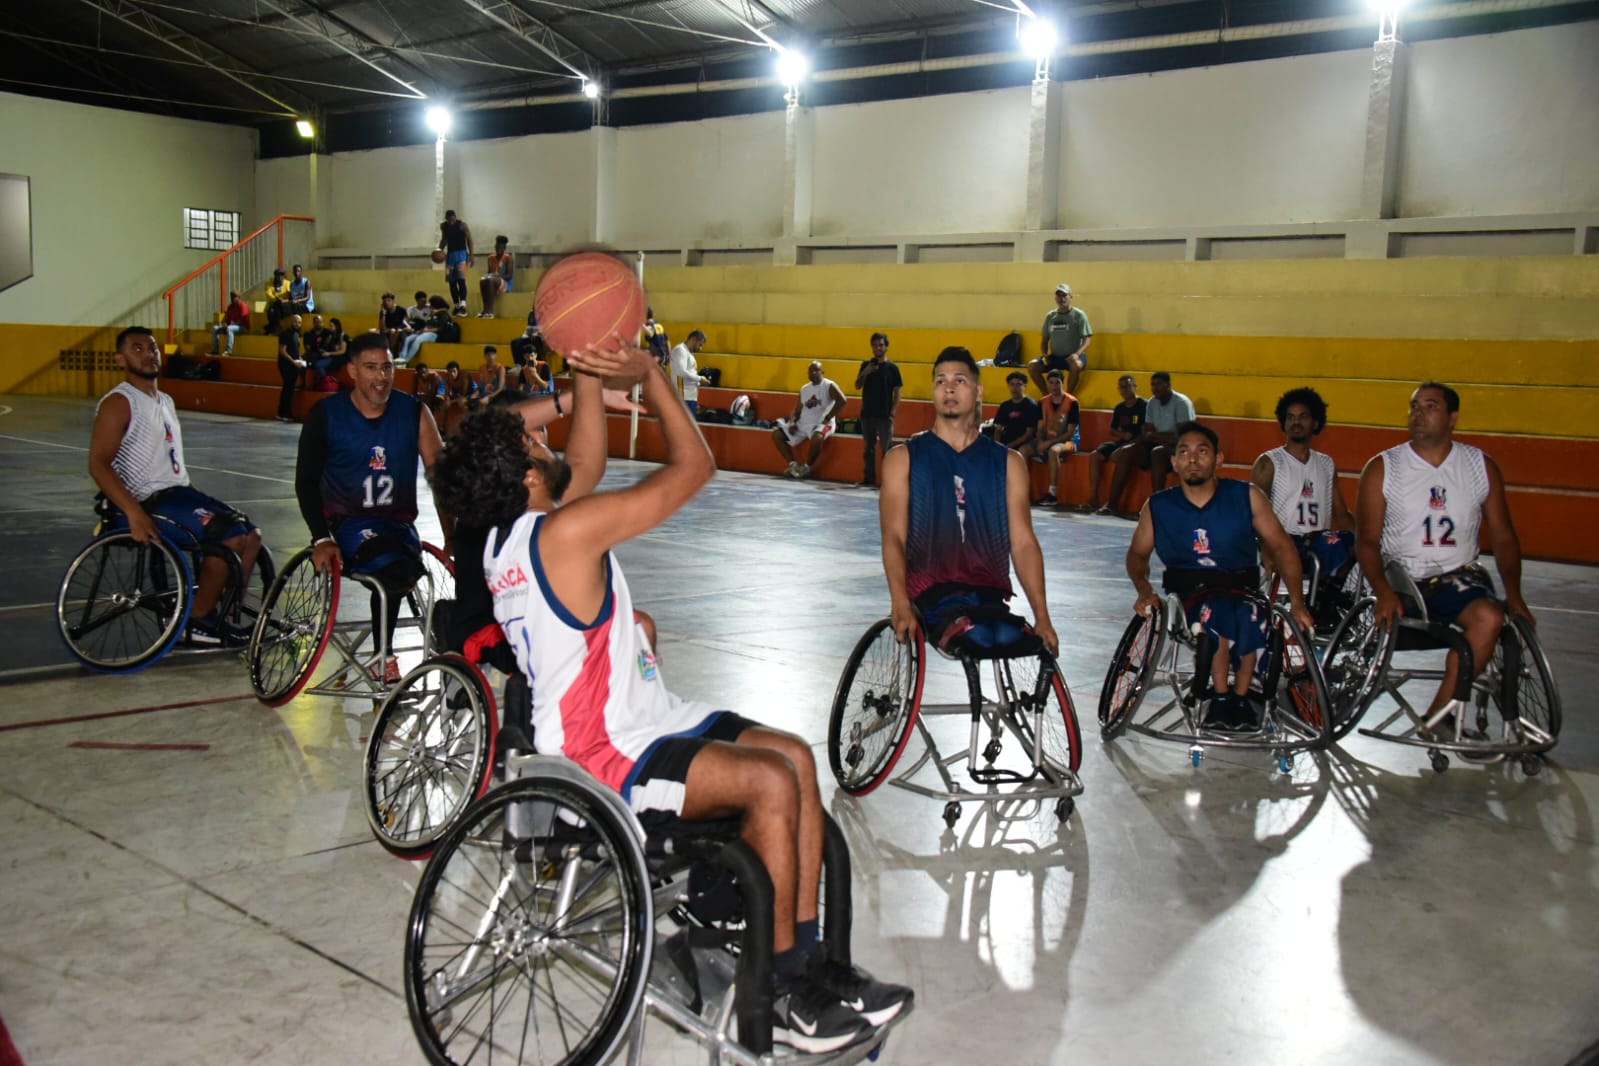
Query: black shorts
[[1058, 362], [655, 787]]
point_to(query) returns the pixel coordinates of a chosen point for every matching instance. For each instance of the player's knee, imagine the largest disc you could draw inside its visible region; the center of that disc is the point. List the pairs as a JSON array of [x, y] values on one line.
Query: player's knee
[[771, 783]]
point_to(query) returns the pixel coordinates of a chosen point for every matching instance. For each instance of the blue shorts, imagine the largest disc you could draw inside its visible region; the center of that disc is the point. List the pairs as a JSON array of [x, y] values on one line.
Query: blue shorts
[[1448, 594], [983, 620], [454, 261], [1240, 620], [372, 544], [1333, 549], [202, 519]]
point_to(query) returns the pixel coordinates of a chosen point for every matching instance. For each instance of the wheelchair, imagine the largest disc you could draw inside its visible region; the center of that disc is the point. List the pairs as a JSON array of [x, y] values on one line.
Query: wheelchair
[[1517, 683], [123, 605], [879, 702], [1161, 651], [300, 621], [549, 922], [1328, 596]]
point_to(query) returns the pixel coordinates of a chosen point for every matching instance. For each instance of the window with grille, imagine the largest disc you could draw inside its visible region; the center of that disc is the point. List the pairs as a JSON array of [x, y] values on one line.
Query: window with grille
[[213, 230]]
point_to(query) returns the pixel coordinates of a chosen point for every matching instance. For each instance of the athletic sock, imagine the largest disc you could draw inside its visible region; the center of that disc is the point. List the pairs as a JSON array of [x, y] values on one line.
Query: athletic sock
[[787, 965], [808, 937]]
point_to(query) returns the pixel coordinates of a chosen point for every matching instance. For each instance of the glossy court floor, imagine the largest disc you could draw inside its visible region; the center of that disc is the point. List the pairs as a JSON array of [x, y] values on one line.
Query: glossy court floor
[[220, 900]]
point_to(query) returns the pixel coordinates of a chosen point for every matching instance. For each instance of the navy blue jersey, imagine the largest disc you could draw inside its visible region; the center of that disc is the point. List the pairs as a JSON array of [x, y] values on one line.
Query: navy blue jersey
[[1218, 536], [959, 527], [357, 466]]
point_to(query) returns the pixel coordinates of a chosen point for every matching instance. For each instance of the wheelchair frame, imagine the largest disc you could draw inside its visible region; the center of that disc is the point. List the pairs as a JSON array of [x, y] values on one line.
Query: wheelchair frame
[[177, 552], [1167, 642], [1370, 649], [901, 709], [708, 994], [357, 674]]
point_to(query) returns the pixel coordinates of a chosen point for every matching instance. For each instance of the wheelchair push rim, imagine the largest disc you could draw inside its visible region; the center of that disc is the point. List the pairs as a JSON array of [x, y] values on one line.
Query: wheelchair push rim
[[1537, 697], [143, 593], [1127, 680], [430, 755], [875, 707], [293, 629], [1062, 741]]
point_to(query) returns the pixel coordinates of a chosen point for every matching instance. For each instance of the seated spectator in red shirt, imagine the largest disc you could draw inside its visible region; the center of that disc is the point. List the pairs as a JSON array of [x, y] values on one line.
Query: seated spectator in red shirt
[[236, 320]]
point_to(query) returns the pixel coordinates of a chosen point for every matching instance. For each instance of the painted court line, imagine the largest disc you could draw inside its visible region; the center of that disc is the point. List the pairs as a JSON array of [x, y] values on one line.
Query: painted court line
[[208, 469], [122, 714], [107, 745]]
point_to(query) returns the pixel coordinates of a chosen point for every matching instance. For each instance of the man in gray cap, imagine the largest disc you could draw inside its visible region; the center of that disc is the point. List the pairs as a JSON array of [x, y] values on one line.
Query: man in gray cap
[[1066, 335]]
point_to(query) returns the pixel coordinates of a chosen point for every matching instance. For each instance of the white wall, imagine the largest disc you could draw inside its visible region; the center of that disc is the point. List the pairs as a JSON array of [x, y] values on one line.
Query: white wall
[[1280, 140], [944, 164], [720, 179], [109, 189], [538, 191], [1502, 124], [380, 199]]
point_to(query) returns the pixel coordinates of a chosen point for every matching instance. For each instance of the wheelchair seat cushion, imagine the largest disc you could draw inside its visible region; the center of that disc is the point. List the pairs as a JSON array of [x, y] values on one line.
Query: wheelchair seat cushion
[[381, 547], [975, 623]]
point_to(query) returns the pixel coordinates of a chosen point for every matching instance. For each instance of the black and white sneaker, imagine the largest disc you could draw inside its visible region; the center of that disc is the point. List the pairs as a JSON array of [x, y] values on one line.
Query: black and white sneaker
[[213, 632], [876, 1001], [809, 1018]]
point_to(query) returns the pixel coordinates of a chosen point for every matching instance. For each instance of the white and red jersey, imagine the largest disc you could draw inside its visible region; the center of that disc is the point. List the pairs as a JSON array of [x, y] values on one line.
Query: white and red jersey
[[1434, 513], [150, 457], [598, 696], [1302, 493]]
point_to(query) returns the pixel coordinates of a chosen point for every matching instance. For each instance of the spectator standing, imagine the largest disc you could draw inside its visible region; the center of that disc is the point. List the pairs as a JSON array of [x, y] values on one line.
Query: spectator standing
[[235, 320], [290, 365], [278, 304], [814, 419], [455, 240], [301, 298], [1059, 433], [686, 369], [1126, 426], [879, 383], [1016, 420], [655, 338], [1066, 335], [392, 322], [502, 268]]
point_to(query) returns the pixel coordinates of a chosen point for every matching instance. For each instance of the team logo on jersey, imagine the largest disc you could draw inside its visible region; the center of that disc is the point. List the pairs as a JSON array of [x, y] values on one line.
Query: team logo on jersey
[[814, 401], [512, 578], [1201, 542], [647, 670], [1439, 498], [368, 534], [1307, 490], [960, 504], [203, 515], [1204, 614], [167, 426], [379, 459]]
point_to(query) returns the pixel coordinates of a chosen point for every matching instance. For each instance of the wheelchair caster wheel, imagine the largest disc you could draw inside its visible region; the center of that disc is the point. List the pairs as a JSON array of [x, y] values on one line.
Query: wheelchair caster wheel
[[952, 813], [1195, 754], [1440, 762], [1064, 808], [1531, 764], [991, 752]]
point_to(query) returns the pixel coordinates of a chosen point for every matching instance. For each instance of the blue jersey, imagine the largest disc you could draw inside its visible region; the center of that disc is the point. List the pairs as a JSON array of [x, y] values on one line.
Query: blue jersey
[[959, 528], [369, 466], [1219, 536]]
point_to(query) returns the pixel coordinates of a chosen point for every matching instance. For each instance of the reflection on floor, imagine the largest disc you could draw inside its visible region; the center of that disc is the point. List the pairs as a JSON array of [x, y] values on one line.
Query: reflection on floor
[[200, 886]]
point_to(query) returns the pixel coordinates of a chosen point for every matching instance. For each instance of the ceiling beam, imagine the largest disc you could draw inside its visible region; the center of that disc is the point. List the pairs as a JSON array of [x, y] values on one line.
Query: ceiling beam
[[340, 35], [508, 15]]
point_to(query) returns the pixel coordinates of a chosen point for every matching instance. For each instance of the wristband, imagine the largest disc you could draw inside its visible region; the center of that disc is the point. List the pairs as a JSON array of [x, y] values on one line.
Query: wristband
[[321, 540]]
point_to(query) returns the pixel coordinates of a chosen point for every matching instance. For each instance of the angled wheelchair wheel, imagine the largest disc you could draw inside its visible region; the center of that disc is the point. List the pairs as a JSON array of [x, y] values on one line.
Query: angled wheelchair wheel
[[437, 583], [1062, 744], [123, 604], [293, 629], [1354, 664], [1294, 684], [430, 754], [1530, 700], [1130, 671], [530, 934], [879, 695]]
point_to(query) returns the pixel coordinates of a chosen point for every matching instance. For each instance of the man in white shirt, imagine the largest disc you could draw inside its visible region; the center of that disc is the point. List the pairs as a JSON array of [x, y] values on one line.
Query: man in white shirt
[[687, 371], [815, 411]]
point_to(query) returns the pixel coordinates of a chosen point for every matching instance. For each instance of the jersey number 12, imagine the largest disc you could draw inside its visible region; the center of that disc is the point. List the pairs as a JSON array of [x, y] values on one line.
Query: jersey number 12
[[1446, 532], [380, 491]]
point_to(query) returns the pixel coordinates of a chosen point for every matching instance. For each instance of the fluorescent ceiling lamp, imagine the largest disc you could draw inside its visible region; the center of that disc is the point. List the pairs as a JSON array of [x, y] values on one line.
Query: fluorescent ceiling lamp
[[438, 120], [1038, 37], [791, 67], [305, 128]]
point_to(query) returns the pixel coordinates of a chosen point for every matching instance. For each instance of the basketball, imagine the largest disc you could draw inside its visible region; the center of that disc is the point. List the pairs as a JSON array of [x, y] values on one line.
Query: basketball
[[585, 299], [743, 411], [438, 255]]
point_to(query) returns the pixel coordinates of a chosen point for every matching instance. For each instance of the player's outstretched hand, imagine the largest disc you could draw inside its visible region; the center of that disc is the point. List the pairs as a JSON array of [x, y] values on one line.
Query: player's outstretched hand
[[620, 366], [621, 400]]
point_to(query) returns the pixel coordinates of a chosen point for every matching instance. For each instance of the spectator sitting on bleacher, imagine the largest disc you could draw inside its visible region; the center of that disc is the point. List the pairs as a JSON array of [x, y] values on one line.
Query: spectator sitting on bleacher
[[501, 269], [300, 294], [815, 411], [392, 322], [490, 377], [1126, 426], [439, 327], [1155, 446], [456, 391], [427, 388], [278, 305], [1016, 421], [331, 351], [686, 369], [419, 314], [1059, 433], [235, 320], [527, 355]]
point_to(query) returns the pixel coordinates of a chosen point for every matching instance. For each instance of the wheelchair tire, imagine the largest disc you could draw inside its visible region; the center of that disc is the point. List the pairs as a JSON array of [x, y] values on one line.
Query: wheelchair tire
[[1354, 664], [293, 629], [122, 604], [1063, 745], [490, 960], [440, 583], [430, 755], [878, 698], [1130, 671], [1295, 685], [1537, 713]]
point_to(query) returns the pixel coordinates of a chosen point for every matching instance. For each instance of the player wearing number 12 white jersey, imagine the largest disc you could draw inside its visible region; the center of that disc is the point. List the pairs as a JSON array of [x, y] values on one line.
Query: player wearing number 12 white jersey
[[1423, 506]]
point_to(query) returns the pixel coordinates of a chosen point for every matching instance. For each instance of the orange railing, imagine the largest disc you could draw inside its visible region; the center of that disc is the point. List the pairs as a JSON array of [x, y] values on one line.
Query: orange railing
[[249, 263]]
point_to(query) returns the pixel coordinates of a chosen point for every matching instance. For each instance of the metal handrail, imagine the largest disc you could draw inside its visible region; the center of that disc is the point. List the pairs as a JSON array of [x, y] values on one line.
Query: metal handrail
[[221, 259]]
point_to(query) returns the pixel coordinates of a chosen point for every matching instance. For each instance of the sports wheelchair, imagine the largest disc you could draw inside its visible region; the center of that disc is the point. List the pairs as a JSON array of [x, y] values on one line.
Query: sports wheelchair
[[548, 921], [1517, 682], [122, 605], [300, 620], [1160, 650], [879, 702], [1328, 596]]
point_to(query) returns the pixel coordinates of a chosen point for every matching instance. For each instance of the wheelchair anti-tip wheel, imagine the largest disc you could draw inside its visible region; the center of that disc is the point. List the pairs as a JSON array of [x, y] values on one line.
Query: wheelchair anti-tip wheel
[[874, 708], [1131, 670], [293, 629], [531, 930], [123, 604], [430, 754]]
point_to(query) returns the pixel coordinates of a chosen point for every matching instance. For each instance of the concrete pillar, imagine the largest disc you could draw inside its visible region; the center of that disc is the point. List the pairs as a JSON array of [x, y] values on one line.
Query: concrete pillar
[[603, 230], [799, 149], [1379, 183], [1045, 130]]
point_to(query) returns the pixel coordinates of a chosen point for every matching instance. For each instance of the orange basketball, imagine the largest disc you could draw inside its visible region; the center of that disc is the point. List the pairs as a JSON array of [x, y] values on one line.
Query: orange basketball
[[586, 299], [438, 255]]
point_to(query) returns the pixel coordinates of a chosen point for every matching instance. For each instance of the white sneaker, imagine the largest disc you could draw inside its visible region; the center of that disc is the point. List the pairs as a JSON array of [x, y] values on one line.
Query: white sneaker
[[803, 472], [793, 466]]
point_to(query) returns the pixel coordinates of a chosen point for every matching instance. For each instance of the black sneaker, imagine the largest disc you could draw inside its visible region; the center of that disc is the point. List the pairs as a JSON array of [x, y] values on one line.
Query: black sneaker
[[211, 631], [876, 1001], [807, 1017]]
